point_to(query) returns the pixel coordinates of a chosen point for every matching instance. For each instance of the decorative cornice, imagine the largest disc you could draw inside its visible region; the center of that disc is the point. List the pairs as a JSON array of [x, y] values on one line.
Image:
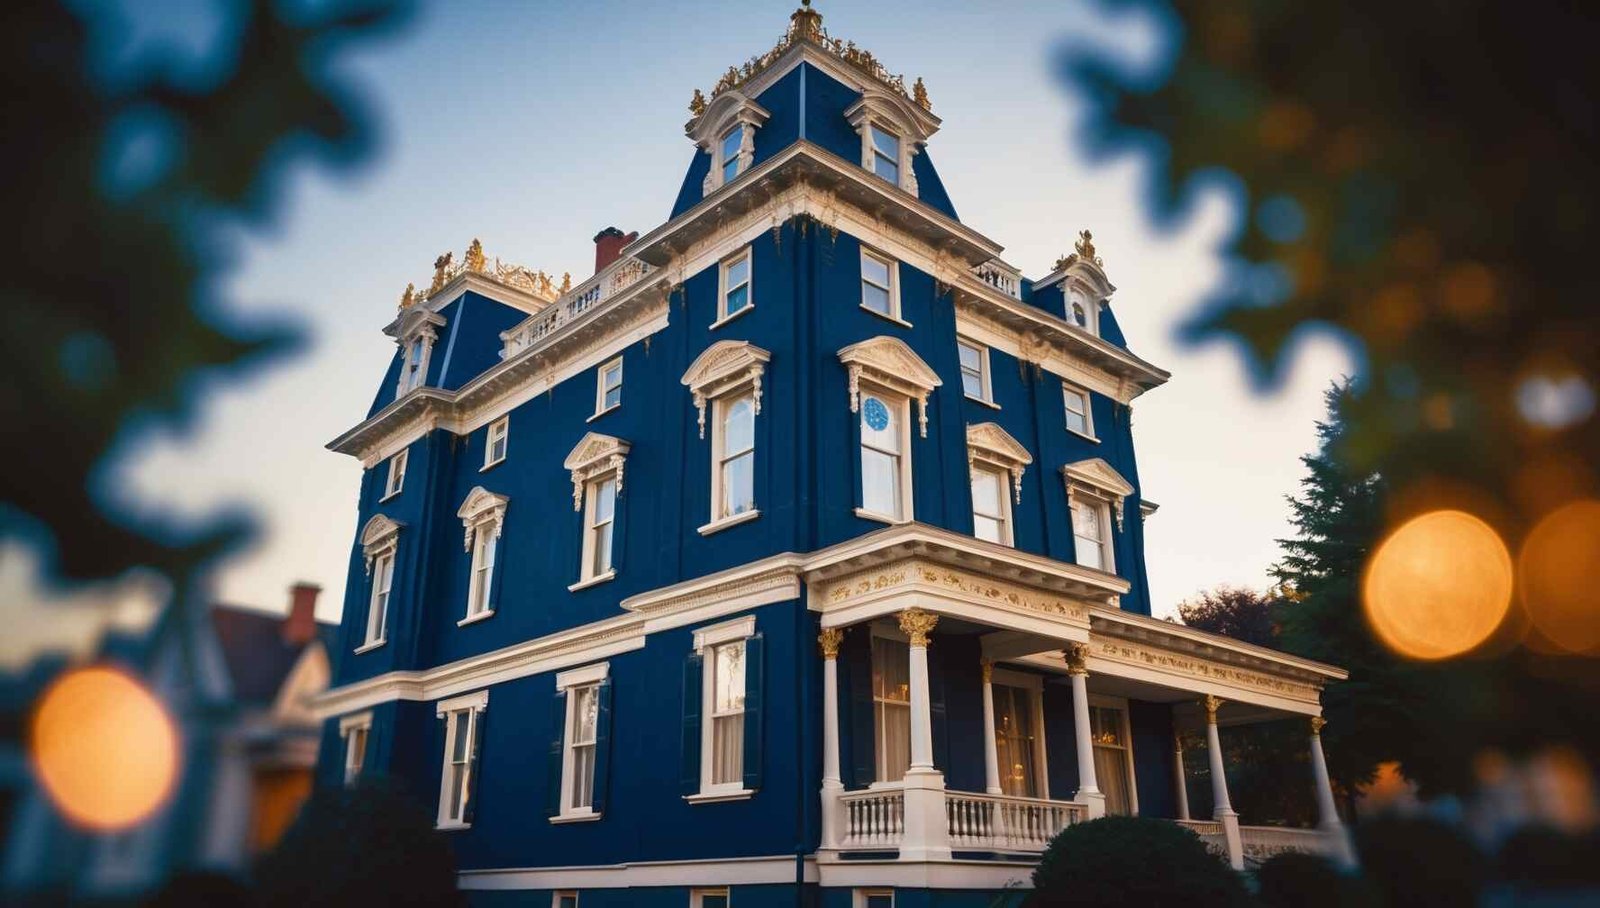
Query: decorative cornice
[[482, 508], [829, 641], [988, 443], [889, 362], [918, 624]]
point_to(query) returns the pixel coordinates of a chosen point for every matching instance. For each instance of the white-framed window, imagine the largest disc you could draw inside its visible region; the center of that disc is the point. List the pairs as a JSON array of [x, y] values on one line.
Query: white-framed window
[[564, 898], [734, 297], [885, 456], [397, 475], [608, 387], [873, 898], [733, 442], [1075, 407], [1019, 734], [596, 465], [580, 739], [600, 520], [355, 730], [483, 516], [709, 898], [1082, 312], [880, 291], [378, 603], [730, 146], [724, 650], [991, 505], [885, 154], [1091, 533], [1113, 754], [414, 365], [891, 707], [974, 359], [497, 441], [463, 718]]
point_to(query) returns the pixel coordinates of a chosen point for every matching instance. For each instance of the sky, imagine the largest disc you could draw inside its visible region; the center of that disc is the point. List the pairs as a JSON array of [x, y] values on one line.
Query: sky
[[534, 125]]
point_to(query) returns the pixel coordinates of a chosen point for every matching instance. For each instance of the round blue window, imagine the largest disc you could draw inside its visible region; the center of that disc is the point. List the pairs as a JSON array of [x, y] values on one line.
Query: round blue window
[[876, 414]]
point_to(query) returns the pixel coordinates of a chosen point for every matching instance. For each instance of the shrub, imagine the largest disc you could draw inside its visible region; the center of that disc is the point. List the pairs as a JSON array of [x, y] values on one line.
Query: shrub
[[1133, 861], [1419, 863], [1296, 880]]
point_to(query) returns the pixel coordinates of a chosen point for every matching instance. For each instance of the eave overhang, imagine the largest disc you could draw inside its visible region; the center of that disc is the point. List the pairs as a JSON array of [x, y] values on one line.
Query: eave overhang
[[1112, 622]]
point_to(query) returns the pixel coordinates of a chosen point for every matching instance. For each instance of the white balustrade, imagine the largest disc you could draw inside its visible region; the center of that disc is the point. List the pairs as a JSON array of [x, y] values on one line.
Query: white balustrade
[[1211, 833], [616, 277], [1263, 842], [873, 819], [1000, 822], [1001, 277]]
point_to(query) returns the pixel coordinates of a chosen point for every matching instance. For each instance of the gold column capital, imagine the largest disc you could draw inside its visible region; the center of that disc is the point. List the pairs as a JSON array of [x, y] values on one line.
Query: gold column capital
[[1317, 723], [988, 669], [1212, 703], [918, 624], [829, 640], [1077, 656]]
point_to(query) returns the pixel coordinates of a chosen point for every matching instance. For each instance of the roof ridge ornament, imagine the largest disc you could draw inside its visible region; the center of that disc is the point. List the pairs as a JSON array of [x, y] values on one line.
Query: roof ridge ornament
[[1084, 251], [447, 269]]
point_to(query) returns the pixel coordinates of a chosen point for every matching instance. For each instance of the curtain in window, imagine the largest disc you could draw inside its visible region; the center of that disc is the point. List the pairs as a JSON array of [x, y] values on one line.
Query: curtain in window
[[727, 715], [1111, 759], [891, 696], [585, 719], [1015, 747]]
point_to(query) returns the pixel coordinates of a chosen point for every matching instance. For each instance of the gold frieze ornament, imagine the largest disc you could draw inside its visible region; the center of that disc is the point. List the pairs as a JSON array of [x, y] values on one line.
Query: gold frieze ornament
[[697, 104], [1317, 723], [919, 94], [1077, 656], [441, 272], [475, 258], [829, 640], [409, 298], [1212, 703], [566, 282], [918, 624]]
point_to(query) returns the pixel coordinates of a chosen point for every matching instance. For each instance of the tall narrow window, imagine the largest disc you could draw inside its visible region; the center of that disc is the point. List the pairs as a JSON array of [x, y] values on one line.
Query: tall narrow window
[[608, 392], [974, 369], [732, 143], [891, 708], [397, 475], [484, 543], [596, 466], [882, 448], [735, 285], [602, 520], [877, 284], [1016, 744], [991, 507], [1109, 733], [736, 456], [378, 606], [483, 515], [581, 742], [1089, 534], [1075, 402], [496, 442], [356, 730], [462, 745], [886, 155], [415, 367], [727, 714]]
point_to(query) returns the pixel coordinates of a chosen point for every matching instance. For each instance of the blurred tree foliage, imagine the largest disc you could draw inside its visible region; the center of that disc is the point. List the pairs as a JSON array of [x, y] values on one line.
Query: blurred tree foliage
[[1234, 612], [122, 184]]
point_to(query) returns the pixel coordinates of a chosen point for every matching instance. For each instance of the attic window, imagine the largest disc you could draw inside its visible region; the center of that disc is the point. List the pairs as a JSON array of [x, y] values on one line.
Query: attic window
[[730, 153], [886, 155]]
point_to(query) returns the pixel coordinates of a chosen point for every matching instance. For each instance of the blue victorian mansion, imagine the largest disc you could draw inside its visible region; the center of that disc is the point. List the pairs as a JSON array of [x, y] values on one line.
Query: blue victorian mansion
[[796, 557]]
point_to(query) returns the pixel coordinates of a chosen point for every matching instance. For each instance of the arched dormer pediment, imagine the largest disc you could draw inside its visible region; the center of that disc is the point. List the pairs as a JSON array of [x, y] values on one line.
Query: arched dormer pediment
[[720, 115], [890, 363], [990, 444], [482, 508], [1097, 479], [894, 112], [594, 456], [412, 322], [381, 534], [723, 367]]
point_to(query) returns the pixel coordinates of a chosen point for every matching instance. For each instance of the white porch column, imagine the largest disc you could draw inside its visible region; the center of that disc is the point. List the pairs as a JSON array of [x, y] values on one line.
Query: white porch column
[[1178, 779], [1222, 810], [1089, 794], [927, 830], [991, 759], [829, 640], [1327, 810]]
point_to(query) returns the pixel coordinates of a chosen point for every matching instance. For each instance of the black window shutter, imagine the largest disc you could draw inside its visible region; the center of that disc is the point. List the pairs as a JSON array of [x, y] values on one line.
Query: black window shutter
[[862, 765], [558, 728], [474, 765], [753, 689], [689, 771], [602, 744]]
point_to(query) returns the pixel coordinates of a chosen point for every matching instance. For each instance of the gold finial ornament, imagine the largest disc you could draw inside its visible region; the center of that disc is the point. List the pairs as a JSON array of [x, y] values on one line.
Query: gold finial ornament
[[1212, 703], [475, 260], [918, 624], [829, 640], [1077, 656], [697, 104], [409, 298], [919, 94], [1085, 251], [566, 281], [441, 269], [1317, 724], [806, 23]]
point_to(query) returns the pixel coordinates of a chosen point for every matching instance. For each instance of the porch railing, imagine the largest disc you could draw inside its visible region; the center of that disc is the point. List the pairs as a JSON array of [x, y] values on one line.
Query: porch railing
[[1211, 833], [873, 819], [1263, 842], [1001, 822]]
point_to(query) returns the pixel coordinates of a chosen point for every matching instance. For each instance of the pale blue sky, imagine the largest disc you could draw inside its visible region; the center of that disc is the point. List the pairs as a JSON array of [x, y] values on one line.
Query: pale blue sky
[[534, 125]]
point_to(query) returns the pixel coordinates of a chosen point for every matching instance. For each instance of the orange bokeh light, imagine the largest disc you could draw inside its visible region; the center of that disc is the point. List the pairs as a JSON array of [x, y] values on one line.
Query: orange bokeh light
[[104, 748], [1438, 586], [1558, 576]]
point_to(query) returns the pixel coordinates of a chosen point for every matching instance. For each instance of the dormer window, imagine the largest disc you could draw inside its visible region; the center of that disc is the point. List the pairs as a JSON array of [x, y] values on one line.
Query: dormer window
[[886, 154], [726, 133], [730, 158], [416, 364], [415, 332]]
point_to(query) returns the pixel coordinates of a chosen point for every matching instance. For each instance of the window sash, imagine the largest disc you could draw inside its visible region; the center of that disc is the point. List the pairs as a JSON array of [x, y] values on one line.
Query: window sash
[[882, 463], [611, 385], [974, 377], [355, 752], [1088, 534], [877, 294], [732, 142], [885, 154], [891, 708], [728, 687], [378, 608], [581, 737], [735, 458], [494, 450], [1076, 405], [1016, 741], [484, 546], [989, 517], [602, 521], [462, 757], [736, 284], [397, 474]]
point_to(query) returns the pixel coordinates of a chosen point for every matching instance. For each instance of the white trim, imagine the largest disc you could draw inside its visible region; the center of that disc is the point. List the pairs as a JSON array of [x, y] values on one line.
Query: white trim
[[726, 632], [1068, 387], [473, 705], [717, 526], [749, 871], [588, 674], [746, 254], [577, 681], [707, 640], [369, 646], [953, 874], [596, 580], [986, 387], [697, 895], [390, 489], [600, 407], [893, 290], [717, 795], [503, 425], [475, 700], [1105, 701], [859, 896], [476, 617]]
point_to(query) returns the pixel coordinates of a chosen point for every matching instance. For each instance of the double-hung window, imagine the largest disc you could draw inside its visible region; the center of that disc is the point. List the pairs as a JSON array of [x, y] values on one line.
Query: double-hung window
[[397, 474], [726, 380], [891, 707], [727, 663], [1018, 725], [483, 516], [974, 370], [414, 368], [596, 467], [1113, 757], [564, 898], [496, 441], [878, 291], [582, 733], [608, 387], [991, 506], [732, 144], [581, 744], [883, 456], [735, 444], [463, 718], [355, 730], [727, 714], [1090, 532], [602, 521], [485, 540], [735, 296], [1075, 405], [886, 154], [378, 605]]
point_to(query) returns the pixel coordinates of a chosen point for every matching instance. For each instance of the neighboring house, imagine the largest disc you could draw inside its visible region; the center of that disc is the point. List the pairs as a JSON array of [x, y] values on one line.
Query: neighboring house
[[800, 547], [249, 745]]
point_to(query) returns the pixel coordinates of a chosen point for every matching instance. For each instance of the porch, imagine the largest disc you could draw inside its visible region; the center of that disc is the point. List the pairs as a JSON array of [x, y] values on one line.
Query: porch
[[1011, 643]]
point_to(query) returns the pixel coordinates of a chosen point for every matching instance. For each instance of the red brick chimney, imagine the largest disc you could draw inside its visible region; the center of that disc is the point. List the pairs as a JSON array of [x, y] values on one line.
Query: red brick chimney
[[608, 246], [301, 625]]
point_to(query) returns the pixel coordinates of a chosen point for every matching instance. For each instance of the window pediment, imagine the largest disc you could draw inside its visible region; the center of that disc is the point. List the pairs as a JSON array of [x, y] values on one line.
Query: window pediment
[[725, 366], [888, 109], [988, 443], [727, 109], [594, 456], [888, 362], [417, 320], [1097, 479], [482, 508], [381, 534]]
